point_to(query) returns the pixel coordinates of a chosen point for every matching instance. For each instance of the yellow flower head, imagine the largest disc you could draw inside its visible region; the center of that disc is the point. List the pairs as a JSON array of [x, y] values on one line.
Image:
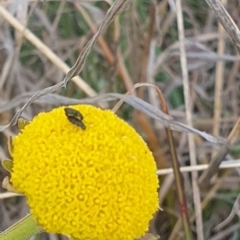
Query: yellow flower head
[[89, 176]]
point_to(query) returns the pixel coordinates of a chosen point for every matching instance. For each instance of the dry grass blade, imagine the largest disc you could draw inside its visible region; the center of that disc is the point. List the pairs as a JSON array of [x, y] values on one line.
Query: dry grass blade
[[232, 214], [122, 70], [188, 107], [206, 176], [225, 20], [45, 50], [225, 233], [135, 102], [219, 83], [224, 165], [116, 8]]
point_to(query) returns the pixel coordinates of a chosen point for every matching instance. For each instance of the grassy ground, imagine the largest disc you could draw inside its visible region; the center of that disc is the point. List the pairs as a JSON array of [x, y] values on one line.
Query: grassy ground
[[141, 46]]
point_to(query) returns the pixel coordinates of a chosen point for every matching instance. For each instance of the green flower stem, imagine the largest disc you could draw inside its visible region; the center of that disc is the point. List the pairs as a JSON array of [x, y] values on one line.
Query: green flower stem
[[22, 230]]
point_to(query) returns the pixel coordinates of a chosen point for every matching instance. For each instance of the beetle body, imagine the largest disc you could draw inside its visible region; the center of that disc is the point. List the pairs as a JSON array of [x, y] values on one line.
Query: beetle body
[[75, 117]]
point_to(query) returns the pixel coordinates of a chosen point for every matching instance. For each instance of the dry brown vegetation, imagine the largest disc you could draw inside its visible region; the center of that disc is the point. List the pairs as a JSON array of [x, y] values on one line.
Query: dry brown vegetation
[[41, 40]]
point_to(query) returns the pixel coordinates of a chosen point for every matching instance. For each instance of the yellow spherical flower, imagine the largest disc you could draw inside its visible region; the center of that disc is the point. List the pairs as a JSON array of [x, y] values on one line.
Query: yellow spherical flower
[[97, 183]]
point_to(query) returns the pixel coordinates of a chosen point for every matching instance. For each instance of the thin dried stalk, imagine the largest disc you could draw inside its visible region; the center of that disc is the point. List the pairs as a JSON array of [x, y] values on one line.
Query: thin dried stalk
[[121, 68], [192, 150], [206, 176], [48, 53], [219, 81], [200, 167], [226, 20]]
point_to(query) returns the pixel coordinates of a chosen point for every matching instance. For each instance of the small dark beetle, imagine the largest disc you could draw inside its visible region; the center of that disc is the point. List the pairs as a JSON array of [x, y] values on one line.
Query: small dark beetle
[[75, 117]]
